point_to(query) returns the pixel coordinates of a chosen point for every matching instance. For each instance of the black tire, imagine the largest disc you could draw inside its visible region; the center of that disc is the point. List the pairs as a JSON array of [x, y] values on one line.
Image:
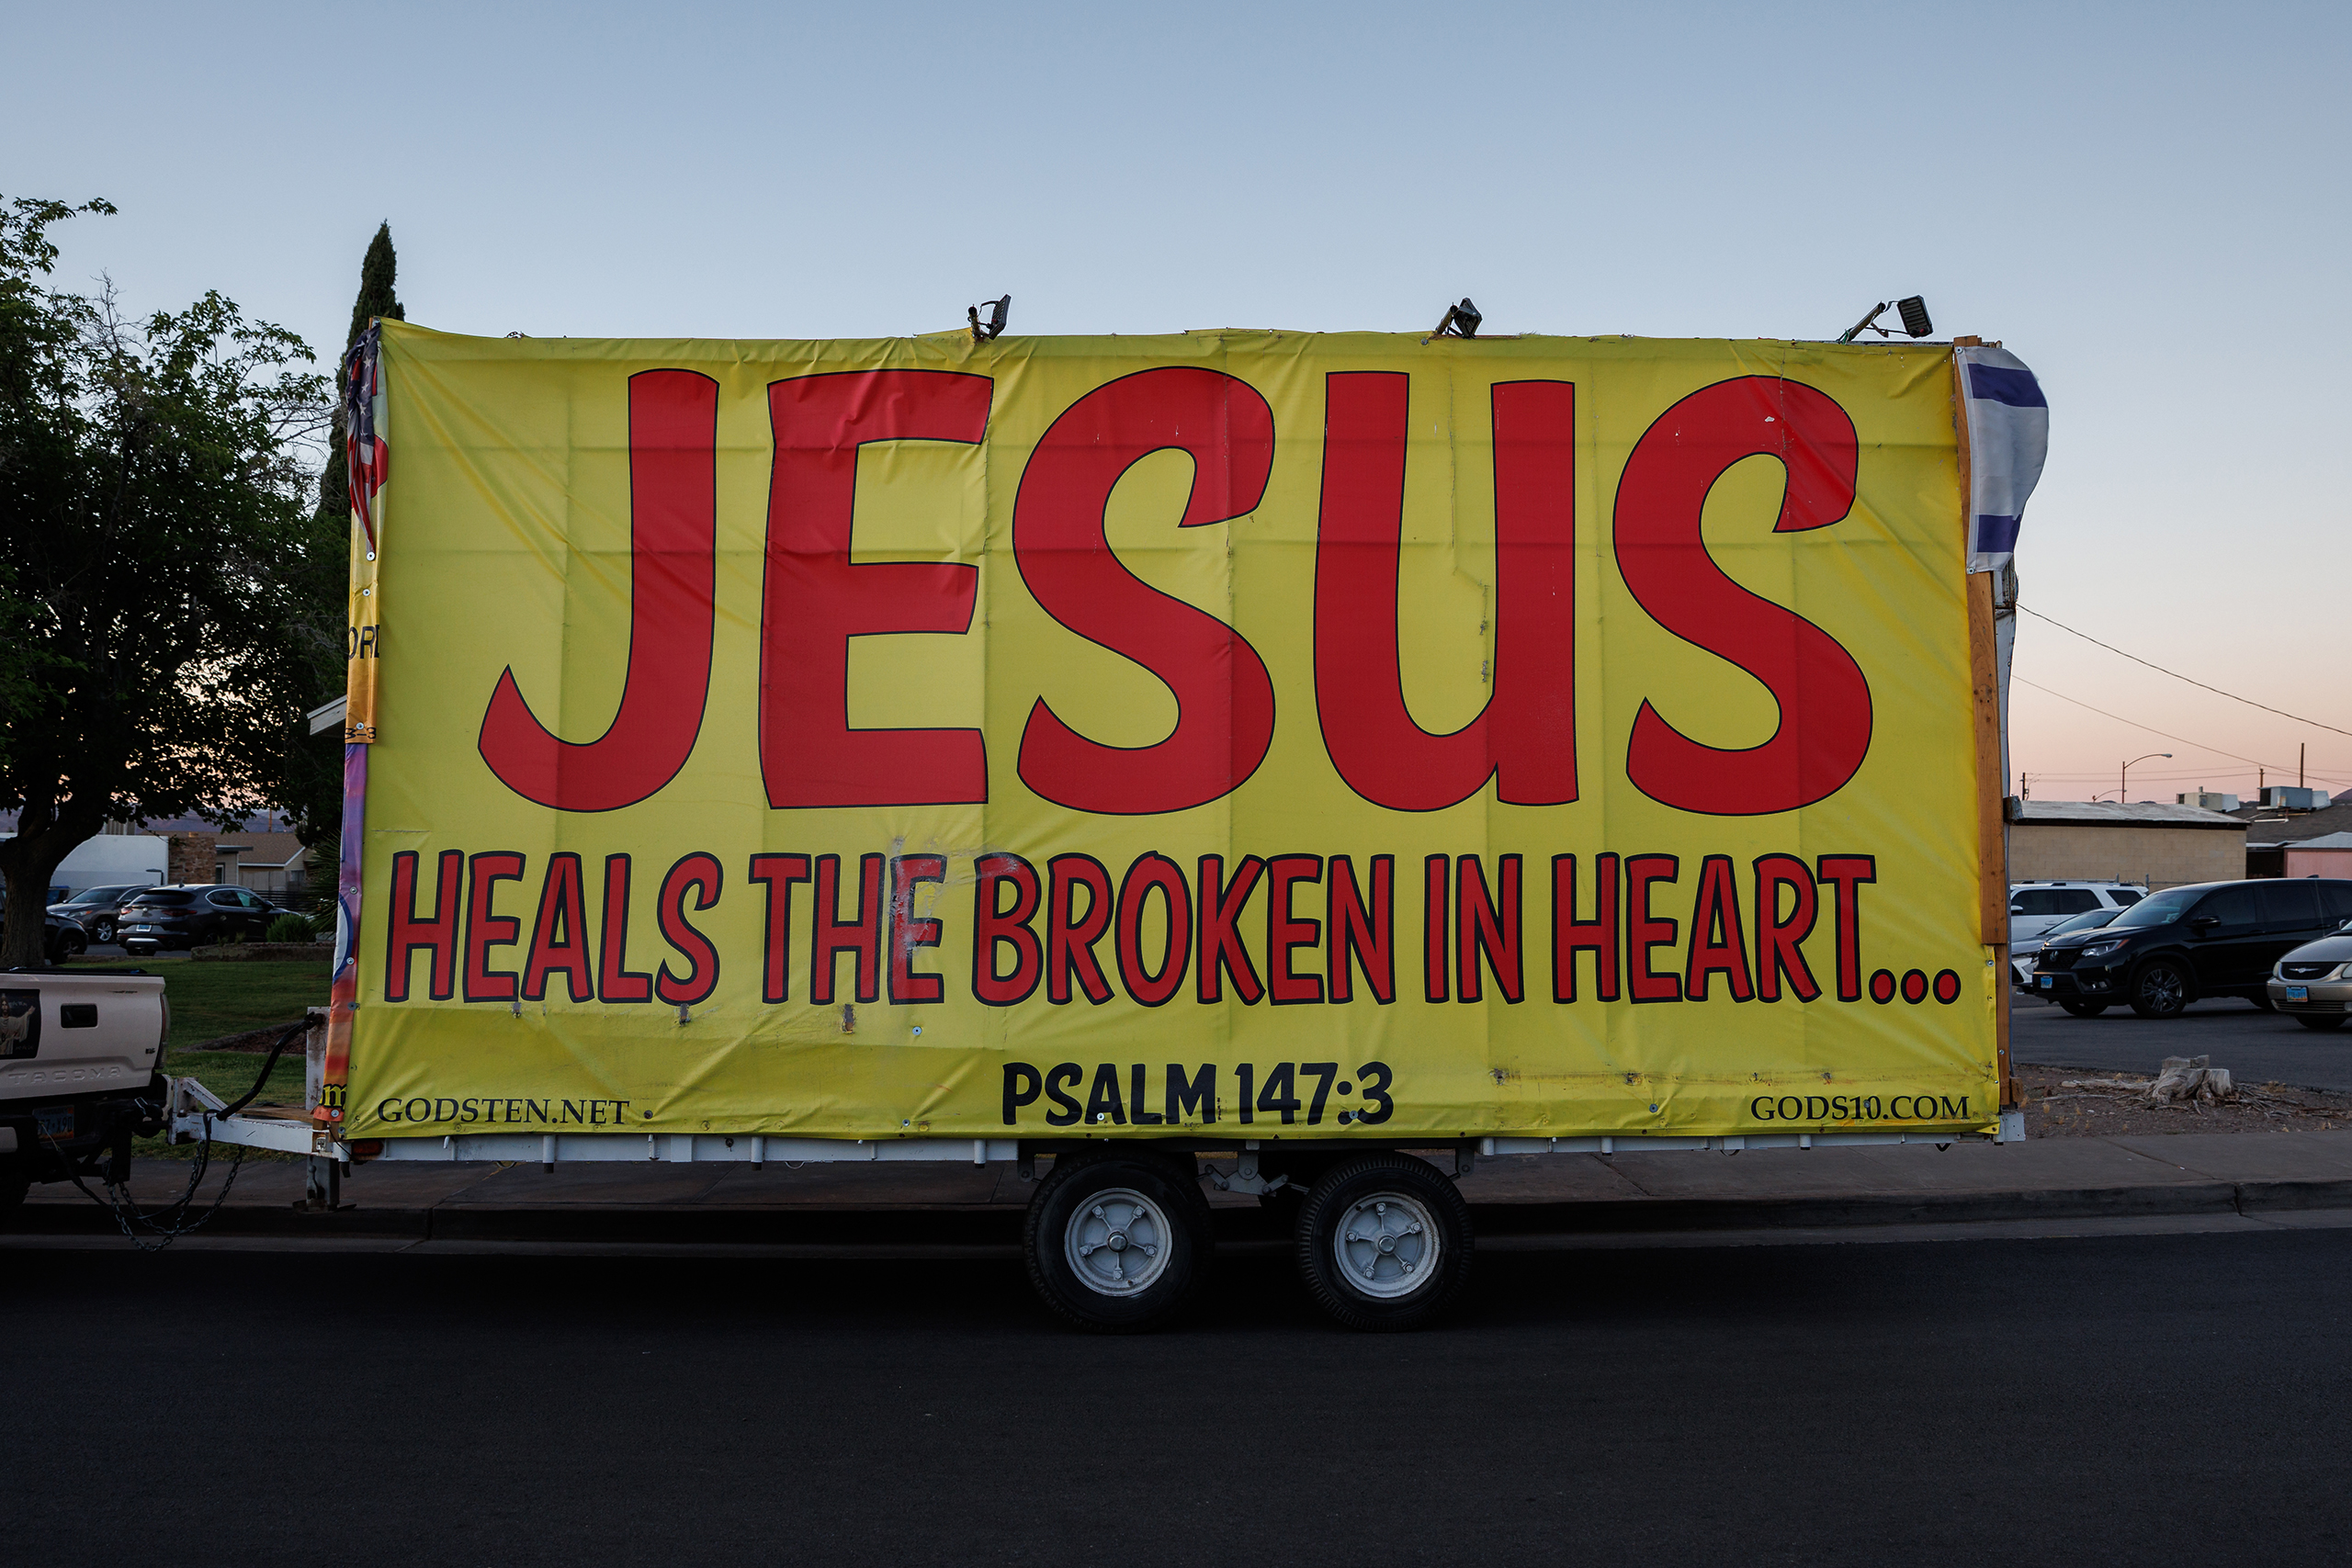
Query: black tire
[[2084, 1010], [1063, 1215], [103, 932], [2159, 989], [2308, 1022], [14, 1182], [1353, 1193]]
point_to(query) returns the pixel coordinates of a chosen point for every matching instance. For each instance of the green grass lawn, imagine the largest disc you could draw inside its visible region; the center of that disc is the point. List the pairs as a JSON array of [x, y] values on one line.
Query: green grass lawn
[[230, 1073], [210, 1000]]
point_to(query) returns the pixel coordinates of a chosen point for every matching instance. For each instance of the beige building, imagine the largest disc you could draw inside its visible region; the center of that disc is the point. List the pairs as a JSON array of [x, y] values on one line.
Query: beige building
[[2154, 846]]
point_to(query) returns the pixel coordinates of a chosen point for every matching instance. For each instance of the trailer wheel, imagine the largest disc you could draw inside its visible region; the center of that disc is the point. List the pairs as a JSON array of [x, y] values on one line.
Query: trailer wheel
[[1384, 1242], [1116, 1244]]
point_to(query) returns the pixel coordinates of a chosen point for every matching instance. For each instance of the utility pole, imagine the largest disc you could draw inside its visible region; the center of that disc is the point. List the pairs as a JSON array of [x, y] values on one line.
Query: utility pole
[[2300, 747]]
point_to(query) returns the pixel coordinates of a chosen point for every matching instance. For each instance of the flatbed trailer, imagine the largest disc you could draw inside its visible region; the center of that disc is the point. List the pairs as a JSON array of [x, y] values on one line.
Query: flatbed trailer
[[1321, 749]]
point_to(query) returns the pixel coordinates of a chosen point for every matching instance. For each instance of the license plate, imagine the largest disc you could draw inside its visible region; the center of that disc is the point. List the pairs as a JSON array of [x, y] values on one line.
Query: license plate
[[2298, 993], [57, 1123], [2047, 982]]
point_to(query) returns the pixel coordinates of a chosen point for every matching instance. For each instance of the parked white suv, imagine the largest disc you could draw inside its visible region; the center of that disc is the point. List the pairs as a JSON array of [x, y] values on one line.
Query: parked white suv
[[2035, 906]]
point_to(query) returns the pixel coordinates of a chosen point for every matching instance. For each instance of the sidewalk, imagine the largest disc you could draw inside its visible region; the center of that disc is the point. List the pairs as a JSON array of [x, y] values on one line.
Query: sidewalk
[[858, 1206]]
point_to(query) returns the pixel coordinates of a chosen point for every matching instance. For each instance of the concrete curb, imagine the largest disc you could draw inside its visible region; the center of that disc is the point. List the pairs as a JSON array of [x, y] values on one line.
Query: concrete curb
[[2259, 1196], [263, 952], [1888, 1208]]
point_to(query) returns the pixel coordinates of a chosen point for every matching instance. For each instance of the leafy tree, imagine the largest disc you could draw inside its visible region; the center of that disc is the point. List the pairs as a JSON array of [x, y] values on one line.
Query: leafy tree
[[309, 784], [154, 508]]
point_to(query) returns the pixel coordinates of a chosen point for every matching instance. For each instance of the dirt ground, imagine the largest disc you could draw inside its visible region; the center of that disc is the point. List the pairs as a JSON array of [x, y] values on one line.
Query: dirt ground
[[2069, 1102]]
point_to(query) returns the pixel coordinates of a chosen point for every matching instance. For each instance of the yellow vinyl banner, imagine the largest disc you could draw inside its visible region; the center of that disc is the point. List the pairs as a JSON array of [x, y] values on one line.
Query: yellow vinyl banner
[[1233, 735]]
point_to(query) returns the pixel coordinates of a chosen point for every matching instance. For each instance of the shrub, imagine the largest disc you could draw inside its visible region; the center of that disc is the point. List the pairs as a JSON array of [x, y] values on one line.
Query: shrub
[[288, 928]]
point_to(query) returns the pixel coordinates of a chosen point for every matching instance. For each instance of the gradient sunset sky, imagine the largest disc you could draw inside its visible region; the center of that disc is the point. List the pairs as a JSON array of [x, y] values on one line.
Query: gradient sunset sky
[[2146, 202]]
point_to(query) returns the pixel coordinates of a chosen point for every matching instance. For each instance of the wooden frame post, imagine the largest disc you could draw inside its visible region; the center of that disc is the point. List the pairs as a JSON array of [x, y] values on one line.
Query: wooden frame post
[[1992, 835], [1992, 778]]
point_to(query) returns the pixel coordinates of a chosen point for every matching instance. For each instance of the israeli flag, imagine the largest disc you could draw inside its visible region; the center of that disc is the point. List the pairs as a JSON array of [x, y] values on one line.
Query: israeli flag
[[2008, 438]]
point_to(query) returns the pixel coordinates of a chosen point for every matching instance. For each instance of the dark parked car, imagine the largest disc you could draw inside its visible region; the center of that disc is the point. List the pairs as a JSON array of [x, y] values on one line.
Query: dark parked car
[[93, 909], [61, 939], [193, 916], [2024, 950], [2214, 939]]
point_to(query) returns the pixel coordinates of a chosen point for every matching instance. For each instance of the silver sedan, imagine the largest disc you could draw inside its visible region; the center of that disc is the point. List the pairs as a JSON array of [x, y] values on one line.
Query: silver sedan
[[2313, 984]]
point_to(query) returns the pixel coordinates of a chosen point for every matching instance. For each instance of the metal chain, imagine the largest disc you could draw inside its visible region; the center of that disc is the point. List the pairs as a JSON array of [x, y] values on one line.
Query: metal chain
[[165, 1224]]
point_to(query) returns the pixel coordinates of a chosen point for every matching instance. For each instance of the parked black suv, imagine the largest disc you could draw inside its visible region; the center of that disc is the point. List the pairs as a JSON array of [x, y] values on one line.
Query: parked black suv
[[193, 915], [2212, 939]]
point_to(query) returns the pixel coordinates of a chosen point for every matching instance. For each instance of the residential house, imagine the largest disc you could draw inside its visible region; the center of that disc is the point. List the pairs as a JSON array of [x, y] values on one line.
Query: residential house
[[2273, 828], [274, 865], [2330, 855]]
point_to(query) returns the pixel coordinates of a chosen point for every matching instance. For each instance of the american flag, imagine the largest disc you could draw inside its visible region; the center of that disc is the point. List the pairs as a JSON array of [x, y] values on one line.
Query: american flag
[[364, 456], [2008, 438]]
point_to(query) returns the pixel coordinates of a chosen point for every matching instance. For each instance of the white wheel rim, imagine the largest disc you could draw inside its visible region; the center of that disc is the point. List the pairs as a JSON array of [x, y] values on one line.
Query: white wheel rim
[[1117, 1242], [1387, 1245]]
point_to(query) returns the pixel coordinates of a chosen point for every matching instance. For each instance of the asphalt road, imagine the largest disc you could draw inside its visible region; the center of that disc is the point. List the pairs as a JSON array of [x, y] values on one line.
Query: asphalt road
[[2257, 1046], [2141, 1400]]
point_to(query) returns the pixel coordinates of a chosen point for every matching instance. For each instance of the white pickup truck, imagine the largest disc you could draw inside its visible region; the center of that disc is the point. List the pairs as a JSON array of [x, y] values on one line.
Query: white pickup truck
[[79, 1054]]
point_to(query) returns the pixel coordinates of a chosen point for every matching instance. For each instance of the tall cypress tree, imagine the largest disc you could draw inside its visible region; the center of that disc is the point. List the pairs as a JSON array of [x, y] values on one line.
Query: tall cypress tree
[[311, 791], [376, 297]]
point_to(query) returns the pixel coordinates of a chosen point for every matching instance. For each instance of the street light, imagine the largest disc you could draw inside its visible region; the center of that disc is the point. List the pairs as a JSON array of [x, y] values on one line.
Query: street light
[[2122, 777], [1462, 321], [1914, 320]]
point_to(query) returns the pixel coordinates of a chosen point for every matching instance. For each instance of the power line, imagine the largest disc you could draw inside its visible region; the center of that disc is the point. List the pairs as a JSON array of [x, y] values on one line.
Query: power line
[[2216, 776], [2146, 777], [2176, 675], [2184, 740], [2214, 772]]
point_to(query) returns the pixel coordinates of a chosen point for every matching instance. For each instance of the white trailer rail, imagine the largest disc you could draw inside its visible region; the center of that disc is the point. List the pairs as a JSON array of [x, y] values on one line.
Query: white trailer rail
[[195, 1114]]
